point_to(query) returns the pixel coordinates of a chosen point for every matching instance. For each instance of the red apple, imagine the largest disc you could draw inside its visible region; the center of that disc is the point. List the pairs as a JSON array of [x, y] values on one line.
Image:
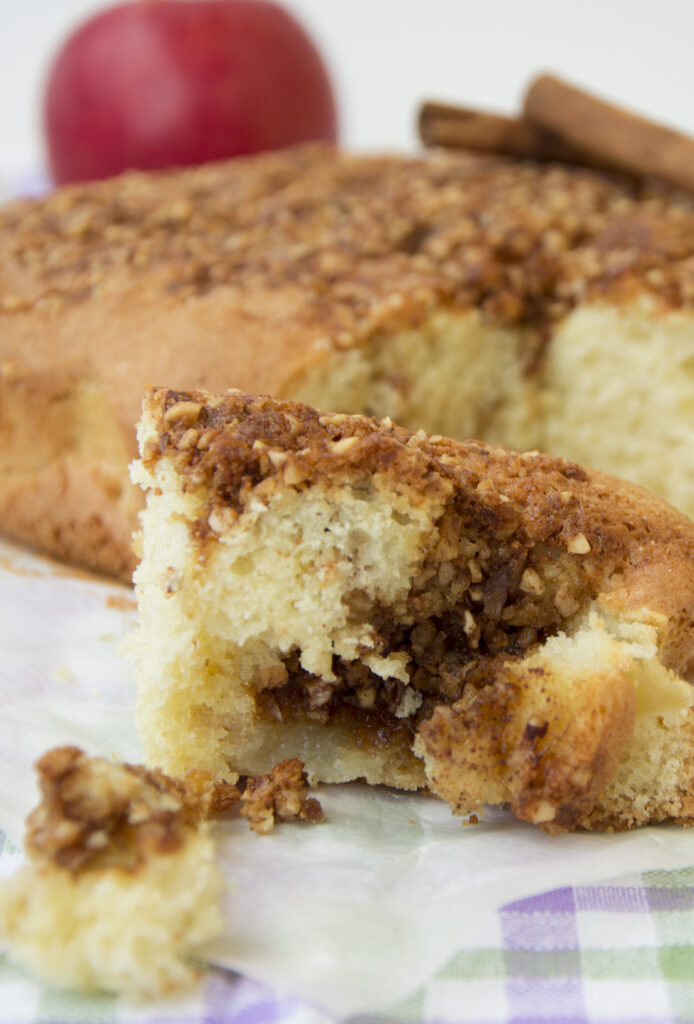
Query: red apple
[[163, 83]]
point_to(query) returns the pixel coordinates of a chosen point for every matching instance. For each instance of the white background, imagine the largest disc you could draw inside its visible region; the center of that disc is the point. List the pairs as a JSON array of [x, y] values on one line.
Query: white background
[[386, 55]]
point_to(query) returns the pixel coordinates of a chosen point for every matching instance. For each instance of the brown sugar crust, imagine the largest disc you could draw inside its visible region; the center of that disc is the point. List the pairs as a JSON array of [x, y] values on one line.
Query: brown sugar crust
[[609, 537], [250, 273], [95, 814]]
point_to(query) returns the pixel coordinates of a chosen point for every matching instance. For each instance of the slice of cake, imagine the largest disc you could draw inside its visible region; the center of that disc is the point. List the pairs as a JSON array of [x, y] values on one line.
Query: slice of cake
[[121, 886], [410, 610], [535, 306]]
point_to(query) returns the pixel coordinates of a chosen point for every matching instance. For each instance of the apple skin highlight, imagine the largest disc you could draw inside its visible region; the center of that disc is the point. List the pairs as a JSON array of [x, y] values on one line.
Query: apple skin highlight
[[168, 83]]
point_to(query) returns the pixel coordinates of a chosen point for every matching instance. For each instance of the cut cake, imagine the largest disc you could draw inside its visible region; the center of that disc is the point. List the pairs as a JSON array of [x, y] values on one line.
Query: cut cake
[[500, 628], [536, 306]]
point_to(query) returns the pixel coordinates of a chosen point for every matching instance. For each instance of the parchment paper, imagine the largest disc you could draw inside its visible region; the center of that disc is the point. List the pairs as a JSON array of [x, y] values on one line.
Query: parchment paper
[[352, 914]]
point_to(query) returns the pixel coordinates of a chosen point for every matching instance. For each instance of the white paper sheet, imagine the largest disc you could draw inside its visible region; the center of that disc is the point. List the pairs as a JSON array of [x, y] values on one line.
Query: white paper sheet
[[352, 914]]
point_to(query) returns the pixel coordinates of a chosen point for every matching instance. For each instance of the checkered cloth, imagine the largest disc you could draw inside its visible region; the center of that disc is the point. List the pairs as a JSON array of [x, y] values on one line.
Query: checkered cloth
[[620, 952]]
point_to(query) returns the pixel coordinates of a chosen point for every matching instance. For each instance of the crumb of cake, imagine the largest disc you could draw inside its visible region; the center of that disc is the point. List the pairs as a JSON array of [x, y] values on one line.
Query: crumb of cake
[[121, 887], [213, 798], [95, 813], [281, 795]]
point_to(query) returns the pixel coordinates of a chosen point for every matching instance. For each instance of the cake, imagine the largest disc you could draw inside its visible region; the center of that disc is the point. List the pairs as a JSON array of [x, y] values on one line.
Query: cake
[[121, 888], [499, 628], [537, 306]]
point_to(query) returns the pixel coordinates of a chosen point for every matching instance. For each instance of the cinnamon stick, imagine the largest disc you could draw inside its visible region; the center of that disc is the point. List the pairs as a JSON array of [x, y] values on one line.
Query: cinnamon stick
[[455, 127], [563, 123], [605, 133]]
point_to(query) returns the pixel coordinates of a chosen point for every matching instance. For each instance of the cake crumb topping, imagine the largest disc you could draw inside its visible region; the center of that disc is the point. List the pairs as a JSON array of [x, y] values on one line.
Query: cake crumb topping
[[281, 795], [96, 813], [371, 241]]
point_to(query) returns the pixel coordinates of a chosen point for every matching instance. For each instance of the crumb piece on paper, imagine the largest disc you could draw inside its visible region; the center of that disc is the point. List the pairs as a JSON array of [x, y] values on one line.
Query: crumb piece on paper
[[121, 885], [281, 795], [214, 798], [94, 812]]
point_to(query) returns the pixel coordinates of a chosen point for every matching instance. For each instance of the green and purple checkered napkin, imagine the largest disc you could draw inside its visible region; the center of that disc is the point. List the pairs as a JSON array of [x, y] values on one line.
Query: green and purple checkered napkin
[[619, 952]]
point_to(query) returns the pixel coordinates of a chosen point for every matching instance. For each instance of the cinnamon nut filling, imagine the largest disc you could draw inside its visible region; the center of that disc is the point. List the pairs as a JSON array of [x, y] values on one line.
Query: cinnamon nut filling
[[470, 606]]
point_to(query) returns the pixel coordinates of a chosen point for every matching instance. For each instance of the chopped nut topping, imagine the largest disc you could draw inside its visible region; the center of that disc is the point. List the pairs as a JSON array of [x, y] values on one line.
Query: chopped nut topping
[[471, 629], [474, 570], [277, 458], [446, 574], [531, 582], [293, 474], [205, 440], [345, 444], [549, 235], [366, 696], [578, 544], [189, 439], [294, 424], [185, 411], [334, 420], [565, 603], [279, 796]]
